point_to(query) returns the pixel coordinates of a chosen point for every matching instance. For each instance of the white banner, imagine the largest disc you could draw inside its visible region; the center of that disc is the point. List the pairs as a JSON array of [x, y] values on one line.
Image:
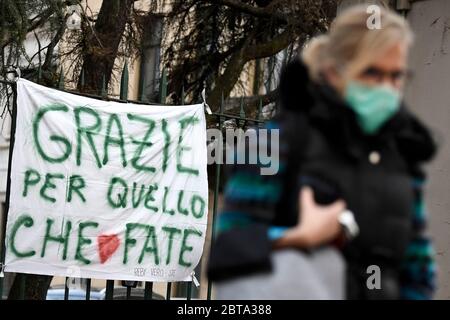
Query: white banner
[[106, 190]]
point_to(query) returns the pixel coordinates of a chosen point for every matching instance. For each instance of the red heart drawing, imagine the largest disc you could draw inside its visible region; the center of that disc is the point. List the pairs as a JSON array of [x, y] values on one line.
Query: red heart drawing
[[107, 245]]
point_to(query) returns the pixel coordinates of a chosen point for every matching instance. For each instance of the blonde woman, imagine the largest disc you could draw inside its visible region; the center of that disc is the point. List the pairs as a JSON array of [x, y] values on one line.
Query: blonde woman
[[351, 156]]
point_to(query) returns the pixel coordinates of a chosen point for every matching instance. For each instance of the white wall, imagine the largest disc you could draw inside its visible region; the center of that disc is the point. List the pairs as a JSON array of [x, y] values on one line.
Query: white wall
[[429, 96]]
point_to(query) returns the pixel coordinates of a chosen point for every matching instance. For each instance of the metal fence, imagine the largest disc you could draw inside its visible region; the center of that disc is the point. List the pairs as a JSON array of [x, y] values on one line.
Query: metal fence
[[214, 174]]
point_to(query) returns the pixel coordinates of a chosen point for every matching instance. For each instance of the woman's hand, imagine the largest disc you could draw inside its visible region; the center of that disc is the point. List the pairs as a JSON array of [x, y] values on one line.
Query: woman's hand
[[317, 224]]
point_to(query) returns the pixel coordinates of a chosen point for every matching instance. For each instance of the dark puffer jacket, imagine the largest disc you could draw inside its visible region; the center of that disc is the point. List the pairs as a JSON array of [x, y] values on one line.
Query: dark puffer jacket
[[379, 177]]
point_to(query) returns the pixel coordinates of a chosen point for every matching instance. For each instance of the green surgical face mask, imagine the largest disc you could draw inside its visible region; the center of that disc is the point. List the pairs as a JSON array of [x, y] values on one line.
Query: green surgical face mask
[[373, 105]]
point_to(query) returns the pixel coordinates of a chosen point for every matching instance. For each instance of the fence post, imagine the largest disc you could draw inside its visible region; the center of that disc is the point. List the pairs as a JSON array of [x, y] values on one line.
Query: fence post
[[124, 96], [216, 194], [163, 87], [124, 82], [88, 289], [39, 75], [259, 114], [189, 284], [162, 100], [22, 285], [82, 79], [241, 113], [103, 91]]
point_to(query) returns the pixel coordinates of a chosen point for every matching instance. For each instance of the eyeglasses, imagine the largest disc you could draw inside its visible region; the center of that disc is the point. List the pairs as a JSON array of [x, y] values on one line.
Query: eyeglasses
[[378, 75]]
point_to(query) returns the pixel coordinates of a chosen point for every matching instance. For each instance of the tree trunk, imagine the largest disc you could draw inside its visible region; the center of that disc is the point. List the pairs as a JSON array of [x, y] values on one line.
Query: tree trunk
[[35, 287], [103, 43]]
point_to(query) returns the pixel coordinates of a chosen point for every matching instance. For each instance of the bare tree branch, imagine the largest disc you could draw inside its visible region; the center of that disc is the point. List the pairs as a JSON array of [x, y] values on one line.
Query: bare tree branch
[[271, 47], [44, 16], [251, 103], [55, 40], [268, 13]]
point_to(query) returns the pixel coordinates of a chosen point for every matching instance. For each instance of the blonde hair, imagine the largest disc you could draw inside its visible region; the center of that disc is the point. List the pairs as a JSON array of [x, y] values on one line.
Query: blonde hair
[[350, 43]]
